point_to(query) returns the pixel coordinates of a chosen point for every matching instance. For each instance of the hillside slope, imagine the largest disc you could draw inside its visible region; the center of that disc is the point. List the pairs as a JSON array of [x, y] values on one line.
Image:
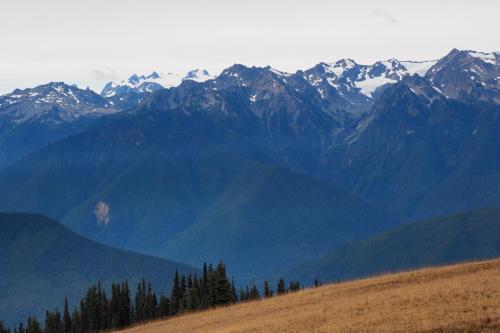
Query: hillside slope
[[41, 262], [192, 186], [468, 236], [460, 298]]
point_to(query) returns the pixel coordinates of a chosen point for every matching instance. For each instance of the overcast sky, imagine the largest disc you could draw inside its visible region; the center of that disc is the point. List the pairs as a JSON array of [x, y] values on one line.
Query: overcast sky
[[93, 41]]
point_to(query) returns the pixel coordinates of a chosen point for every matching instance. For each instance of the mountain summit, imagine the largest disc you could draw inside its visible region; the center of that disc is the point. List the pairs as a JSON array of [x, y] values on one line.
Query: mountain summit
[[128, 93]]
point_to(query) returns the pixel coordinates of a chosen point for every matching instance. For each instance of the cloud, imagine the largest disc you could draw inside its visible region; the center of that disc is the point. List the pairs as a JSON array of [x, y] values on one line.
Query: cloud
[[385, 15], [104, 74]]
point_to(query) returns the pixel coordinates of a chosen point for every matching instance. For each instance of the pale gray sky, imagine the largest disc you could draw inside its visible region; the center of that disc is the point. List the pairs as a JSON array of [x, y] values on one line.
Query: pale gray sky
[[93, 41]]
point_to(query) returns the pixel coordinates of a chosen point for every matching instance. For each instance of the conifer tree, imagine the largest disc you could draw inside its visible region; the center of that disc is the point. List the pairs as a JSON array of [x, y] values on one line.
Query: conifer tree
[[84, 318], [139, 301], [125, 306], [212, 287], [223, 292], [66, 317], [176, 296], [164, 306], [114, 306], [33, 326], [3, 328], [233, 291], [193, 301], [294, 286], [183, 302], [254, 293], [204, 286], [267, 290], [242, 296], [53, 323], [76, 324], [281, 289]]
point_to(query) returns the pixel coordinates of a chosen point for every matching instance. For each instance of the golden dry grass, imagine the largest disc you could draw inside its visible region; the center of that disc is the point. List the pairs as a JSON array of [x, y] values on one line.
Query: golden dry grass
[[458, 298]]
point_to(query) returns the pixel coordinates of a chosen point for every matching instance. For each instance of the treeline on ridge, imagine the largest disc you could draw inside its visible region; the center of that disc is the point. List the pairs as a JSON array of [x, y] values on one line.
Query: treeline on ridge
[[98, 312]]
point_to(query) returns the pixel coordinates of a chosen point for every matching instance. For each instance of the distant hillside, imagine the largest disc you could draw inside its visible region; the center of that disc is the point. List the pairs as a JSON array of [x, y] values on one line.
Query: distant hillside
[[41, 262], [445, 299], [455, 238], [191, 186]]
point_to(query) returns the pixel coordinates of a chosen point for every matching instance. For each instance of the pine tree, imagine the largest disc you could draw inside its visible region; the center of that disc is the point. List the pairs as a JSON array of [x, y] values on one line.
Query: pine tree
[[233, 291], [183, 302], [193, 301], [140, 299], [53, 323], [204, 287], [76, 323], [254, 293], [84, 317], [164, 306], [212, 287], [294, 286], [3, 328], [125, 306], [281, 289], [114, 306], [33, 326], [176, 296], [267, 290], [223, 292], [66, 317], [150, 303]]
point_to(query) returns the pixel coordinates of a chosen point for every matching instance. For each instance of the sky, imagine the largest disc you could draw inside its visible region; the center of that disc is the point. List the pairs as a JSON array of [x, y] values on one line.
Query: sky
[[94, 41]]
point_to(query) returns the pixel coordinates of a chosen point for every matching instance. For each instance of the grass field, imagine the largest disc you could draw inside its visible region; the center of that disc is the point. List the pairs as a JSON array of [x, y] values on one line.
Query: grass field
[[458, 298]]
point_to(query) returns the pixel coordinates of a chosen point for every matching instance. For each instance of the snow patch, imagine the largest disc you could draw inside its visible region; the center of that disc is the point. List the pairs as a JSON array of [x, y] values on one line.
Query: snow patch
[[418, 67], [486, 57], [369, 85]]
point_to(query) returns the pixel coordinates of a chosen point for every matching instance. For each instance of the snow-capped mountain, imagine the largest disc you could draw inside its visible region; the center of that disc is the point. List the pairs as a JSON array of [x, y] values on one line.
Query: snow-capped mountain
[[128, 93], [465, 74], [350, 78], [32, 118], [343, 89], [55, 102], [152, 82], [141, 84], [198, 75]]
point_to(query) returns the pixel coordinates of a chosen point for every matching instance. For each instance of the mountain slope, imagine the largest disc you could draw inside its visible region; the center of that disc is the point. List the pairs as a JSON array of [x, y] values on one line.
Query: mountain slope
[[268, 218], [42, 262], [466, 75], [422, 153], [164, 174], [468, 236], [34, 117]]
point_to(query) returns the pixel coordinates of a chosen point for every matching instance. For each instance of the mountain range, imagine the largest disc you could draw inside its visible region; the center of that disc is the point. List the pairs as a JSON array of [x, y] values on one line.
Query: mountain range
[[261, 168]]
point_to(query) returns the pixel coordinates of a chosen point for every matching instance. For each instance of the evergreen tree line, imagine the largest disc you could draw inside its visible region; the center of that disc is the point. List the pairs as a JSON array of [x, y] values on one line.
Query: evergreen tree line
[[98, 312]]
